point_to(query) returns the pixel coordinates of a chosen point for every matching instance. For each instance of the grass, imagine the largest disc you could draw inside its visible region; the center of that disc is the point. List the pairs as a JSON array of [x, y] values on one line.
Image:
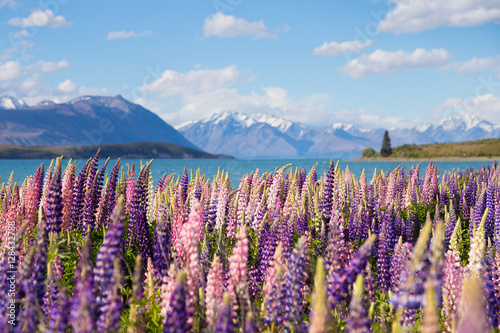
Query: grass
[[470, 149]]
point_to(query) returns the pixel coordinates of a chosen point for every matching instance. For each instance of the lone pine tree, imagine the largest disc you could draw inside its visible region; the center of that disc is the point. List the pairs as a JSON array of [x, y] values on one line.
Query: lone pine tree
[[386, 149]]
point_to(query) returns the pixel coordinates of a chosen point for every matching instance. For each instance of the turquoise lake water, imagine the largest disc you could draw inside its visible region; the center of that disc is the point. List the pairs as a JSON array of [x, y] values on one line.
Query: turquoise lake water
[[237, 168]]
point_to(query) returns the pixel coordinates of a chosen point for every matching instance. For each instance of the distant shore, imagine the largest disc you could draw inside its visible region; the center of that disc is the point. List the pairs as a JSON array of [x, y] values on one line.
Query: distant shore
[[441, 158]]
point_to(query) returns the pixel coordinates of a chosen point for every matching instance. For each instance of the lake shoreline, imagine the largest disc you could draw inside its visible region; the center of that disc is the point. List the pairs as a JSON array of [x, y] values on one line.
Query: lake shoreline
[[426, 159]]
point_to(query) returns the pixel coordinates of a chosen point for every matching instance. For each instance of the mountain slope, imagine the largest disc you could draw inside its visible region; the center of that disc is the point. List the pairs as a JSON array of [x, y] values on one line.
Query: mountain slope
[[124, 150], [265, 136], [87, 120]]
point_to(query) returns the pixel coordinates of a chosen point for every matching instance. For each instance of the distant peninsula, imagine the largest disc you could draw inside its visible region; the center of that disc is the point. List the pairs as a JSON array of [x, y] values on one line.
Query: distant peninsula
[[487, 149], [124, 150]]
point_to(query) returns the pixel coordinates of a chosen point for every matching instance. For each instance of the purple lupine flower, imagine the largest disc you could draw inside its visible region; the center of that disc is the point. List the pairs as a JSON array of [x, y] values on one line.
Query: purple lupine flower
[[497, 224], [54, 214], [138, 231], [184, 184], [451, 220], [177, 318], [267, 246], [225, 321], [383, 261], [338, 289], [38, 275], [112, 304], [110, 250], [28, 316], [326, 205], [83, 306], [111, 194], [59, 314], [294, 280], [490, 218], [399, 261], [273, 288], [78, 198], [358, 321], [161, 249], [490, 292], [478, 213]]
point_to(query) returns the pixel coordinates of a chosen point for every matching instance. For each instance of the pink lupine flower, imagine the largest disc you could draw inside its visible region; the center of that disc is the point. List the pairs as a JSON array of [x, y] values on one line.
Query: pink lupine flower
[[214, 291], [167, 287], [238, 263], [130, 186], [67, 194], [189, 242]]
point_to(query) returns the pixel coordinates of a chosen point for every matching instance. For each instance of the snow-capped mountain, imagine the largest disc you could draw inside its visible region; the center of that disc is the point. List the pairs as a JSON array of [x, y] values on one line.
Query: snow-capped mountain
[[11, 103], [261, 136], [84, 121]]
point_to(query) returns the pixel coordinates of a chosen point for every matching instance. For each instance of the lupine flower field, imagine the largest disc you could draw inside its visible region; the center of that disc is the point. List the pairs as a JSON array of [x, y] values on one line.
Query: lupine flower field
[[108, 250]]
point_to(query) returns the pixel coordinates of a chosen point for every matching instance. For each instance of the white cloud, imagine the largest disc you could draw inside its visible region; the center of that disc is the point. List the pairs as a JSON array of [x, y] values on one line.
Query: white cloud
[[41, 18], [369, 119], [20, 48], [335, 48], [68, 86], [472, 66], [415, 16], [193, 82], [221, 25], [484, 106], [180, 97], [8, 3], [384, 62], [126, 34], [11, 70]]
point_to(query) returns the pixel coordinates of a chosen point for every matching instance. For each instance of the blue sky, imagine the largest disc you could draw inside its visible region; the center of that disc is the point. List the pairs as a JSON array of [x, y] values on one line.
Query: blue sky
[[372, 63]]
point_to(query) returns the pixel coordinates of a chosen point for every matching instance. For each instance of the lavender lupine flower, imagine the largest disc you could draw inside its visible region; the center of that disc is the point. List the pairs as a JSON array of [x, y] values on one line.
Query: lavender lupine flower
[[177, 319], [112, 304], [109, 251], [320, 316], [358, 321], [225, 321], [336, 255], [294, 280]]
